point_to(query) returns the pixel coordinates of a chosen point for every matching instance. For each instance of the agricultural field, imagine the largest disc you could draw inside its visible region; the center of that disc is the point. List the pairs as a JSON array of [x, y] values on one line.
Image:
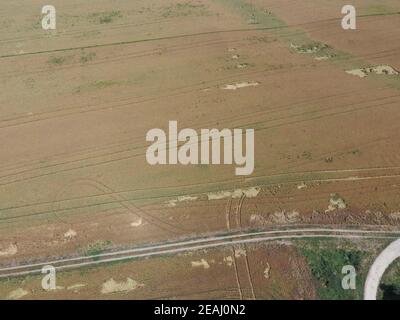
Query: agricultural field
[[77, 190]]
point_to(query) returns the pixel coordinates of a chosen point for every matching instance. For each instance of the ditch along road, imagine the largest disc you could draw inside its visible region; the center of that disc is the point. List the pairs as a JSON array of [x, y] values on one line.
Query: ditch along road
[[187, 245]]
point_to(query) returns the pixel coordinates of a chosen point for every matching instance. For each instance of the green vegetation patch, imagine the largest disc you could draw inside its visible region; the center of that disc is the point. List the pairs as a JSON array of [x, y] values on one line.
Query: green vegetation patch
[[255, 16], [56, 60], [97, 248], [389, 288], [326, 266], [105, 17], [87, 57], [101, 84], [96, 85], [185, 9], [376, 10]]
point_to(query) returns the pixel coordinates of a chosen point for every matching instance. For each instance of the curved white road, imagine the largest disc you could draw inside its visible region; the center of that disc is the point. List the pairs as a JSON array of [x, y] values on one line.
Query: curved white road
[[378, 268]]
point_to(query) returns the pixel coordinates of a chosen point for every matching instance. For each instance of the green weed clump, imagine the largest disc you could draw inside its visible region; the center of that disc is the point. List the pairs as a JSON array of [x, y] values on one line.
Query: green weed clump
[[326, 266]]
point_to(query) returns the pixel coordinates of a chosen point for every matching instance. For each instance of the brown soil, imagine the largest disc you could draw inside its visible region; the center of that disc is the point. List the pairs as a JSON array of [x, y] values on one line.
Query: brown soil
[[75, 107]]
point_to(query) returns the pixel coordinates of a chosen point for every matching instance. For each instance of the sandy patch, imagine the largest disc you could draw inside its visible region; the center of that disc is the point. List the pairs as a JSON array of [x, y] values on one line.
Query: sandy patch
[[202, 263], [381, 70], [278, 217], [17, 294], [336, 203], [257, 219], [240, 253], [238, 193], [174, 202], [235, 194], [137, 223], [76, 287], [384, 70], [301, 186], [228, 260], [314, 48], [70, 234], [322, 58], [240, 85], [357, 72], [267, 271], [395, 215], [9, 251], [112, 286], [285, 217]]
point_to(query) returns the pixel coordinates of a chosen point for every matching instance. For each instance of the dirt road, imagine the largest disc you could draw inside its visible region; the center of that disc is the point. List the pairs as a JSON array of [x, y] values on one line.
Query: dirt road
[[199, 244]]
